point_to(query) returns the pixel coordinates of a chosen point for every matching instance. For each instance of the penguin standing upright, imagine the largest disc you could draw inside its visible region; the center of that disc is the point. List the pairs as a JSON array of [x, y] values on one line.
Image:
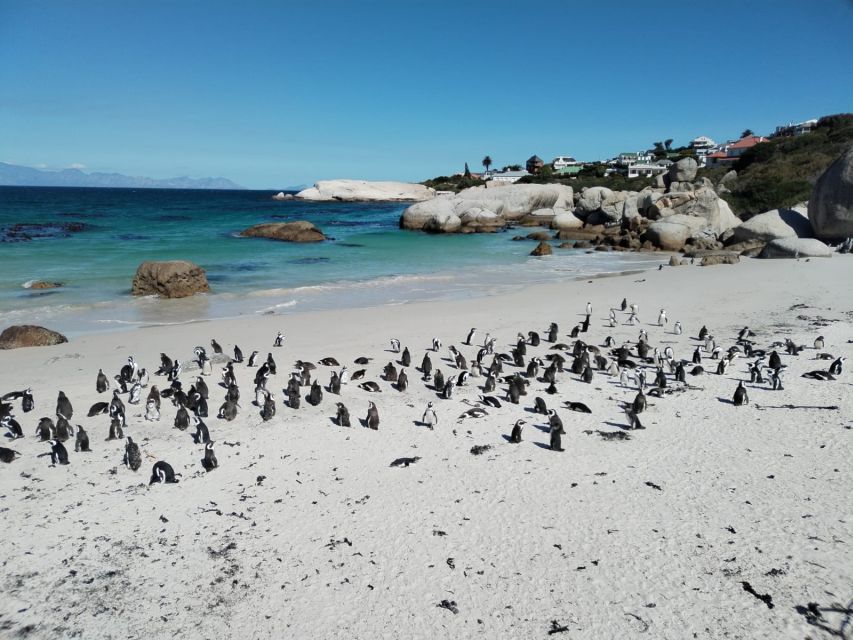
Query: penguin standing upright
[[342, 416], [515, 436], [406, 358], [63, 406], [403, 380], [662, 318], [315, 396], [209, 462], [740, 397], [132, 456], [836, 367], [27, 401], [58, 452], [471, 334], [372, 416], [555, 444], [430, 419], [102, 383], [268, 407], [202, 433], [82, 441]]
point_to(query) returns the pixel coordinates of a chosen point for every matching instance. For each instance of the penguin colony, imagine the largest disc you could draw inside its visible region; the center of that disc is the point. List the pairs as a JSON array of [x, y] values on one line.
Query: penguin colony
[[179, 392]]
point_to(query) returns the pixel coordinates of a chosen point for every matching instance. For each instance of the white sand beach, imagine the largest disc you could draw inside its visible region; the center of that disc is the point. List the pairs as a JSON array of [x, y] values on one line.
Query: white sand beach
[[305, 531]]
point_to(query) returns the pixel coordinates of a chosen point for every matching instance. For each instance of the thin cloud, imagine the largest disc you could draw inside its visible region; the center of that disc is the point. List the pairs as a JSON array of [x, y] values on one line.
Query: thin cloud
[[76, 165]]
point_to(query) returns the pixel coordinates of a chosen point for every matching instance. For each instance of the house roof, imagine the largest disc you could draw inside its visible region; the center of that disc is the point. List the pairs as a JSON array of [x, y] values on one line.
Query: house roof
[[747, 142], [535, 159], [717, 154]]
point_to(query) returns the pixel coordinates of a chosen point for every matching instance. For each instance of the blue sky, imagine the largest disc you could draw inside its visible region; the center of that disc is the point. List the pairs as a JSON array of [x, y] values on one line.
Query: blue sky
[[272, 94]]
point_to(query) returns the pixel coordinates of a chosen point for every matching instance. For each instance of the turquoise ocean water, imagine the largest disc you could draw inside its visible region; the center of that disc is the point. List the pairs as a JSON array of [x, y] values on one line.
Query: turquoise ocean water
[[92, 240]]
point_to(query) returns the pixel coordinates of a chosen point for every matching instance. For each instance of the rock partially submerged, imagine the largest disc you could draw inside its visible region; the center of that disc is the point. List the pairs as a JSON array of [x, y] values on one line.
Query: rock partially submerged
[[296, 231], [170, 279], [28, 335], [831, 204], [365, 191], [542, 249], [42, 284]]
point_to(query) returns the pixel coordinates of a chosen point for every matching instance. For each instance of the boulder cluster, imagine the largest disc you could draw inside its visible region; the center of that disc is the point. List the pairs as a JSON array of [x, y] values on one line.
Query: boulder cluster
[[680, 213]]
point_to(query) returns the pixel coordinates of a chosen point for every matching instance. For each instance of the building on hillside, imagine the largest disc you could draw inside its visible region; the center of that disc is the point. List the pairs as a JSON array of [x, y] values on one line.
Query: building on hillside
[[561, 162], [509, 176], [571, 171], [646, 169], [728, 153], [796, 129], [534, 164], [702, 146], [628, 158]]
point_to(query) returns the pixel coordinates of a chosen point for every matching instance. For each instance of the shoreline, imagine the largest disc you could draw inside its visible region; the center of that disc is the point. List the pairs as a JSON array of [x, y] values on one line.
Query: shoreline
[[306, 523]]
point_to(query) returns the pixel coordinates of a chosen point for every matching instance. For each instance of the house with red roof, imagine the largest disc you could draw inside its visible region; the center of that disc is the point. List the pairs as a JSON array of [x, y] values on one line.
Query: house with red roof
[[730, 152]]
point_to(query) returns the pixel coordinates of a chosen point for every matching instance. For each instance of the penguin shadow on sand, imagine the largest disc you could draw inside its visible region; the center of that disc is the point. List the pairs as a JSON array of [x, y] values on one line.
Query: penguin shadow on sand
[[543, 445], [725, 400], [618, 425]]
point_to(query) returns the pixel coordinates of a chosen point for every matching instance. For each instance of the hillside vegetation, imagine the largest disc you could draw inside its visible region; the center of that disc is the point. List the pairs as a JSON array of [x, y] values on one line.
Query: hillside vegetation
[[782, 171]]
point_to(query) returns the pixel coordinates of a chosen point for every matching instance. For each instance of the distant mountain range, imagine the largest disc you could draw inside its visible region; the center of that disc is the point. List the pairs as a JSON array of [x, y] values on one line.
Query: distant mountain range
[[18, 176]]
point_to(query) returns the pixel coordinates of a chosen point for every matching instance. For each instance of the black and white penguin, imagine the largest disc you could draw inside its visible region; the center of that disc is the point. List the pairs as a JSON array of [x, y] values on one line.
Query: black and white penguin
[[515, 436], [703, 332], [471, 334], [395, 345], [101, 383], [403, 380], [202, 433], [740, 397], [438, 380], [63, 406], [677, 329], [8, 455], [390, 372], [539, 406], [279, 340], [436, 344], [215, 346], [426, 367], [63, 429], [680, 372], [372, 419], [315, 395], [45, 429], [555, 444], [14, 427], [152, 411], [238, 354], [162, 472], [335, 384], [585, 324], [116, 432], [662, 318], [228, 411], [430, 419], [330, 362], [774, 362], [271, 364], [82, 441], [343, 376], [633, 419], [209, 462], [182, 418], [406, 358], [175, 372], [58, 452], [819, 342], [553, 332], [253, 359], [447, 392], [268, 407], [462, 378], [135, 392], [293, 396], [489, 385], [554, 421], [640, 403], [132, 456], [128, 371], [836, 367], [342, 416], [232, 394], [370, 386], [587, 375]]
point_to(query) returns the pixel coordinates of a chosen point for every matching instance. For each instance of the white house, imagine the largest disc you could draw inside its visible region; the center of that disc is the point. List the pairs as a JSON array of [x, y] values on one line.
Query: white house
[[509, 176], [645, 170], [561, 162], [629, 158], [796, 129]]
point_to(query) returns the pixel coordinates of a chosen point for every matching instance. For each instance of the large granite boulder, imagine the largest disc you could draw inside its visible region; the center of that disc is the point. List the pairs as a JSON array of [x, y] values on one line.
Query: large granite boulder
[[172, 279], [796, 248], [591, 200], [363, 190], [831, 204], [683, 171], [509, 204], [296, 231], [770, 225], [706, 204], [28, 335], [565, 220], [671, 233]]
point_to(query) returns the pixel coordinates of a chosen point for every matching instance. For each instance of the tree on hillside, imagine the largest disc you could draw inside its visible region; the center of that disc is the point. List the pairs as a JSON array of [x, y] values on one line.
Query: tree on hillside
[[658, 151], [467, 173], [746, 133], [487, 162], [668, 143]]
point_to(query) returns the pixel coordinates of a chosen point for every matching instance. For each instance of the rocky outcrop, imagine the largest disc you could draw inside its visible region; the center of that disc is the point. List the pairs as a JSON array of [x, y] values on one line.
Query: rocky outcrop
[[683, 171], [28, 335], [542, 249], [365, 191], [831, 204], [796, 248], [43, 284], [493, 208], [565, 220], [172, 279], [671, 233], [720, 258], [770, 225], [296, 231]]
